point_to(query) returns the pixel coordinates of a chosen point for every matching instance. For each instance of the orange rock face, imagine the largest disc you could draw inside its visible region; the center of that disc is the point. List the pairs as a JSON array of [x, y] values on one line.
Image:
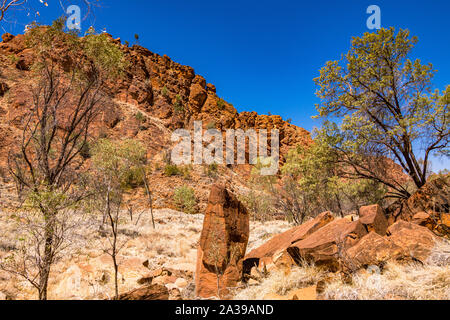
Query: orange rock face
[[222, 246], [324, 246], [432, 197], [152, 292], [374, 249], [283, 241], [417, 241], [374, 219]]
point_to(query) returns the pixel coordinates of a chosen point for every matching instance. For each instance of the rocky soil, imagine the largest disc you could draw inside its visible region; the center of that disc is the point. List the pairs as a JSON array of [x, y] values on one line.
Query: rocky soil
[[85, 271]]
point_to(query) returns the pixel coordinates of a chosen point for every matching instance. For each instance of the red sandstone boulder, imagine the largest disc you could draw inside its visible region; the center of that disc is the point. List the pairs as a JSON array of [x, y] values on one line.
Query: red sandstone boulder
[[325, 246], [374, 249], [6, 37], [222, 246], [283, 241], [424, 219], [417, 241], [434, 196], [3, 88], [374, 219], [152, 292]]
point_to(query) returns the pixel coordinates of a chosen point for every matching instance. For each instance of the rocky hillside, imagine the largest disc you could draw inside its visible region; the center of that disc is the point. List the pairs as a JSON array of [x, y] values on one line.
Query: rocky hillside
[[155, 96]]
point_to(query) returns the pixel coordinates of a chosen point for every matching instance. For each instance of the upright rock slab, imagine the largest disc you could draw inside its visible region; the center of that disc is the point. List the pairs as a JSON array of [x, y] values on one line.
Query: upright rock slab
[[222, 246], [374, 219]]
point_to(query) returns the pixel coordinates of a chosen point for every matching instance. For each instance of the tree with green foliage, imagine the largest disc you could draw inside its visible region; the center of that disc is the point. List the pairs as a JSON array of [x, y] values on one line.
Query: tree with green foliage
[[113, 164], [312, 183], [384, 106], [185, 200], [47, 165]]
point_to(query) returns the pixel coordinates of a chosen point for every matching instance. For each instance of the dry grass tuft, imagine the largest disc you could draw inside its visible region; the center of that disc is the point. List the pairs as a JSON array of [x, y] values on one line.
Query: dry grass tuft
[[279, 283], [430, 281]]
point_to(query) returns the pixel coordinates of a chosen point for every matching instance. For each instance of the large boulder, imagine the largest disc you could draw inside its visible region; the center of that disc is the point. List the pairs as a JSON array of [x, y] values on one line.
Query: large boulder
[[417, 241], [3, 88], [222, 246], [326, 247], [281, 242], [433, 197], [374, 249], [374, 219], [6, 37], [151, 292]]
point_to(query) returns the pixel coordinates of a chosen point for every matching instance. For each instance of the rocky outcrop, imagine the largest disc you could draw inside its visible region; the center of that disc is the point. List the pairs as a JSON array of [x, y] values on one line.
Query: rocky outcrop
[[327, 246], [7, 37], [152, 292], [417, 241], [265, 253], [222, 245], [3, 88], [432, 198], [373, 218], [374, 249]]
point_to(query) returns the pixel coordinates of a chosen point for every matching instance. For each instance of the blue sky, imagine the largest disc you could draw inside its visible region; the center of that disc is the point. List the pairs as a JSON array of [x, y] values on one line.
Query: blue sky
[[262, 55]]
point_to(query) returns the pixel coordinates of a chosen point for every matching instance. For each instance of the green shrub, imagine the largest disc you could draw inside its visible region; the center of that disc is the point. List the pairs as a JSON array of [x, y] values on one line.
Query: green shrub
[[186, 171], [185, 200], [178, 105], [165, 92], [85, 151], [172, 170], [211, 125], [221, 104], [212, 170], [139, 116]]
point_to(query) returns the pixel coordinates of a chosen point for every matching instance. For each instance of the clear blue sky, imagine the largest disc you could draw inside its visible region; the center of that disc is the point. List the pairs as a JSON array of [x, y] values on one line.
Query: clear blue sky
[[262, 55]]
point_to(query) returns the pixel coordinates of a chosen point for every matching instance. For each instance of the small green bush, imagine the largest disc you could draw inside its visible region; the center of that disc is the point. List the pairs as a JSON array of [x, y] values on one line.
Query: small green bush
[[212, 170], [186, 171], [139, 116], [165, 92], [185, 200], [85, 151], [172, 170], [221, 104], [178, 105], [211, 125]]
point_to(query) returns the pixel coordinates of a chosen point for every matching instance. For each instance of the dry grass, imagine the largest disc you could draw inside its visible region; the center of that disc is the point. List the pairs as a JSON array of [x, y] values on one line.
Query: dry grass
[[281, 284], [411, 281], [408, 281]]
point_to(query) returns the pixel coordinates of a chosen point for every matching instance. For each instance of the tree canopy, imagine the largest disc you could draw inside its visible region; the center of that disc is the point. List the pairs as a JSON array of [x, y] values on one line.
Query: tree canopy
[[376, 102]]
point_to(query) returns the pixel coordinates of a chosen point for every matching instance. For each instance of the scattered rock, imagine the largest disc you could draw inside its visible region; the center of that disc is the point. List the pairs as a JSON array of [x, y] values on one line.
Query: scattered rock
[[3, 88], [374, 219], [305, 294], [325, 246], [374, 249], [283, 241], [152, 292], [425, 220], [434, 196], [417, 241], [223, 243], [181, 283], [6, 37], [175, 294]]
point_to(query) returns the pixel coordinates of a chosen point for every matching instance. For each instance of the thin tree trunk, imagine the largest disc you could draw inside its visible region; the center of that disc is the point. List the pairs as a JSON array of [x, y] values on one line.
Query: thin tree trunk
[[150, 200], [47, 259]]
